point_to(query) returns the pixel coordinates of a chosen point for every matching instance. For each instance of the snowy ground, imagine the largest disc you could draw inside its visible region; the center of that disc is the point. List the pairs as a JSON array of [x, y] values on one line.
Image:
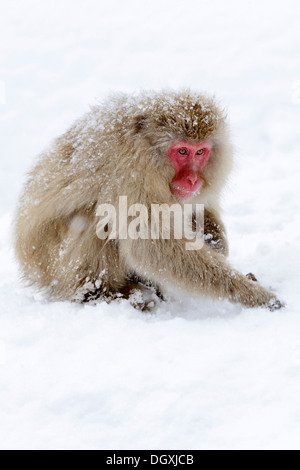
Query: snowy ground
[[197, 374]]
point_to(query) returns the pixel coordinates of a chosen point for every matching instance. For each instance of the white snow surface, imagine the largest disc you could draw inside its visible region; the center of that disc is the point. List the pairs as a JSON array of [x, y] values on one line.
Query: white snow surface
[[196, 374]]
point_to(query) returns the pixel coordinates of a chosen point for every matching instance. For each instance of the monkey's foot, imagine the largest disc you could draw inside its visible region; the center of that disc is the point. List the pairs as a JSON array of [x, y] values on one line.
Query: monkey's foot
[[144, 298]]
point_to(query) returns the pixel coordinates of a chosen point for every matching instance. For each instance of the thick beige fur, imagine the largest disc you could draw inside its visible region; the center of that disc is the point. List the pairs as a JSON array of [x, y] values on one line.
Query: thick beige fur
[[120, 148]]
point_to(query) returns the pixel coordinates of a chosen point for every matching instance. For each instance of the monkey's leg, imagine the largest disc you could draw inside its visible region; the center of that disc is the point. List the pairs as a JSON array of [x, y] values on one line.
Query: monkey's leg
[[90, 270], [87, 269], [204, 271], [215, 233]]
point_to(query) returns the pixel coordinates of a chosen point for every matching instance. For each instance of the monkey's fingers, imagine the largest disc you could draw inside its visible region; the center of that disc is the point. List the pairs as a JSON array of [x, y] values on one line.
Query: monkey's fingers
[[251, 277], [275, 304]]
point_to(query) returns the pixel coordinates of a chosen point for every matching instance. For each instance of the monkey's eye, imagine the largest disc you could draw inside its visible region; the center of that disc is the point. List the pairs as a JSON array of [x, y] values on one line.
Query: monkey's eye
[[182, 151], [200, 152]]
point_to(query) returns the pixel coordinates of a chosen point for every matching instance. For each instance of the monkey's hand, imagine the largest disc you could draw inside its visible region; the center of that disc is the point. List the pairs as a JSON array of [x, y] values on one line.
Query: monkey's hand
[[274, 304], [217, 244], [215, 233]]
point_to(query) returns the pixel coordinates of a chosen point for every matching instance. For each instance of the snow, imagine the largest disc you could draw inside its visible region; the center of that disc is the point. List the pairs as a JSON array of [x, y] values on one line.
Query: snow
[[196, 374]]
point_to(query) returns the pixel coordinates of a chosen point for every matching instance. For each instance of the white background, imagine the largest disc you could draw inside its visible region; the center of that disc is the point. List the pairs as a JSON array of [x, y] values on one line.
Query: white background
[[198, 374]]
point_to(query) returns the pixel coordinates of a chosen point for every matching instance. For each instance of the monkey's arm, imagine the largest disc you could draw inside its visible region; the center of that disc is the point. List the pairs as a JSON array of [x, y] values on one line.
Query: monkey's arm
[[201, 272], [215, 233]]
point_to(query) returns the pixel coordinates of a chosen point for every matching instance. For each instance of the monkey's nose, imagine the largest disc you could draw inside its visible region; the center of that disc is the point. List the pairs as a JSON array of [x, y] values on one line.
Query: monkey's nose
[[192, 179]]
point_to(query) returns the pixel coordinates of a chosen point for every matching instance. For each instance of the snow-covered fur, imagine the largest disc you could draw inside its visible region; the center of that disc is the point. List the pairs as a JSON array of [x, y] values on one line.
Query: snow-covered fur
[[120, 148]]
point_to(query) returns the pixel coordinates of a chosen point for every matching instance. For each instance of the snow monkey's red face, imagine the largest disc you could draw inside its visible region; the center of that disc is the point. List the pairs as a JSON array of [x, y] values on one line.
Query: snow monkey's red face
[[188, 159]]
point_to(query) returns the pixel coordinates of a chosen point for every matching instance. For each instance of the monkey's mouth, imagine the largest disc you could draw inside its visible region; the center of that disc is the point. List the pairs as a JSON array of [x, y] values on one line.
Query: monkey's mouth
[[184, 193]]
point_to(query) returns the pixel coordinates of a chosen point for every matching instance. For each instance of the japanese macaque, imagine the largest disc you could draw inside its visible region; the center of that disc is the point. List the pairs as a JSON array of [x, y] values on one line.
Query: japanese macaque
[[155, 148]]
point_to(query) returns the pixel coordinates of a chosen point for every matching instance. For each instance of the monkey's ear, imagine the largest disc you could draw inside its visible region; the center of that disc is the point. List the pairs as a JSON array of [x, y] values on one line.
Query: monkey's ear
[[140, 123]]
